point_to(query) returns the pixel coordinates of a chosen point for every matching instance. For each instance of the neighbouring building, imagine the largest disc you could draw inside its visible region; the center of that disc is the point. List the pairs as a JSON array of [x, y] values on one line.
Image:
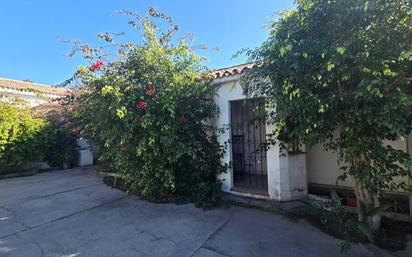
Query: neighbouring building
[[32, 94], [271, 174]]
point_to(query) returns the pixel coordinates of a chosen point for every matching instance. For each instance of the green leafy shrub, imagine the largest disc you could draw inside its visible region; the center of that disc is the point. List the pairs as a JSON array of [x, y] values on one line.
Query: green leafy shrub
[[27, 136], [148, 113], [61, 149], [338, 74], [22, 137], [332, 218]]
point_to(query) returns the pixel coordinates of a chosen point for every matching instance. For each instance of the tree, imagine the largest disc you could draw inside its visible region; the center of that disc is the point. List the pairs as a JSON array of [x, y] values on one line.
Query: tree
[[147, 110], [339, 73]]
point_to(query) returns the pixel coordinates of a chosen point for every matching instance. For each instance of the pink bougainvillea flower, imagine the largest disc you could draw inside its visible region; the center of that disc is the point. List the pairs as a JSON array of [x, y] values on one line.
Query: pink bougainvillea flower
[[141, 105], [151, 91], [122, 147], [98, 65]]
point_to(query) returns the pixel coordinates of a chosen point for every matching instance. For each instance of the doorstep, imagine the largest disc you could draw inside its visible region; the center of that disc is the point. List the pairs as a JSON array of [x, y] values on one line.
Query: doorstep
[[261, 203], [248, 191]]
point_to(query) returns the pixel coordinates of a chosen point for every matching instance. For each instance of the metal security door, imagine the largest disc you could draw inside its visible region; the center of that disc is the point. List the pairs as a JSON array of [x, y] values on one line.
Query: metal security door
[[248, 150]]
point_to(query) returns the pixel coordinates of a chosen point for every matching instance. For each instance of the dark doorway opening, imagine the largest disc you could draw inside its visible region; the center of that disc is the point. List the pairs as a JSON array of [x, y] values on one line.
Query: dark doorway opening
[[249, 160]]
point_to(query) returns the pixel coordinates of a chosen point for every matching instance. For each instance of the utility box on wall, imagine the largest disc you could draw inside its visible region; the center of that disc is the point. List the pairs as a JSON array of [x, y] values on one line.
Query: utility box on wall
[[85, 158], [85, 153]]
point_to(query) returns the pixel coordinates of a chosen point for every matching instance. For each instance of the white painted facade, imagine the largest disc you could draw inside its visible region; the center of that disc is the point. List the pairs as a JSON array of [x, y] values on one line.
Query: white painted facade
[[286, 175], [324, 170], [289, 176]]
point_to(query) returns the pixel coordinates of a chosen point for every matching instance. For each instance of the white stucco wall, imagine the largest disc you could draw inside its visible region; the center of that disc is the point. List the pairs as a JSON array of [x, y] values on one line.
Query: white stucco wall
[[228, 91], [286, 175], [323, 168]]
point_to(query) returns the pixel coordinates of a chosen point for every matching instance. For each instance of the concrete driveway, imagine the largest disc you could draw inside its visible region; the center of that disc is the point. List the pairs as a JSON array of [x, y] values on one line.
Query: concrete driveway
[[72, 213]]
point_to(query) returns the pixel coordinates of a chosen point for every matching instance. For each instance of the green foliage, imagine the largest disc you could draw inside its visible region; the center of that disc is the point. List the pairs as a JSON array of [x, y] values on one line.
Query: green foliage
[[61, 148], [148, 111], [337, 222], [331, 218], [339, 73], [27, 136], [22, 137]]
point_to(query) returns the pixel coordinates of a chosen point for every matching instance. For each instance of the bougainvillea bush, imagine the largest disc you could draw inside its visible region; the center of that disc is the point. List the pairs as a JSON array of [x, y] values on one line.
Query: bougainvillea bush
[[147, 110]]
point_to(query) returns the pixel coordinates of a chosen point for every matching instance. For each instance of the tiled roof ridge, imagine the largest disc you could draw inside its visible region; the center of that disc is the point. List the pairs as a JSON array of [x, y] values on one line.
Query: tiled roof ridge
[[25, 85], [232, 70]]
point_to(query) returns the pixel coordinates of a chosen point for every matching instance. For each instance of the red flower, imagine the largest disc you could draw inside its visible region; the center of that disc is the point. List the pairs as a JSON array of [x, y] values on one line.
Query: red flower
[[141, 105], [122, 147], [98, 65], [151, 91]]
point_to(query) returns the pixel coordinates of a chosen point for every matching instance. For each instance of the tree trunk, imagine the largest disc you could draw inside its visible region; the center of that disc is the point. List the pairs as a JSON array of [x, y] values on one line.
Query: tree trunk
[[374, 221], [368, 201]]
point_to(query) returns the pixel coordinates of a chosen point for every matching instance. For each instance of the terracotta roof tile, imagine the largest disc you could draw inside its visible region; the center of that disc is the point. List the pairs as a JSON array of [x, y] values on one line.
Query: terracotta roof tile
[[28, 86], [232, 71]]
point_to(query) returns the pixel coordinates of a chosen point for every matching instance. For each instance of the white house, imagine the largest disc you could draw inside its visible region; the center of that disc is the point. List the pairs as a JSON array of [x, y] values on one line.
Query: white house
[[271, 174], [32, 94], [254, 172]]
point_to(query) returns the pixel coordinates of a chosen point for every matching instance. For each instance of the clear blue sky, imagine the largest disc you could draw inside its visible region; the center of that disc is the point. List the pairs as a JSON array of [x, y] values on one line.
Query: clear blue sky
[[30, 29]]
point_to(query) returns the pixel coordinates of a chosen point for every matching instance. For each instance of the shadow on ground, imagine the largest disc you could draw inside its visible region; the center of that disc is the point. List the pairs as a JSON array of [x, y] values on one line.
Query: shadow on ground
[[72, 213]]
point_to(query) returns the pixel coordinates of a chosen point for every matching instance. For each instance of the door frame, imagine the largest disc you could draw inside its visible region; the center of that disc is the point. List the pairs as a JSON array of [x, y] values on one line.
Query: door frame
[[263, 190]]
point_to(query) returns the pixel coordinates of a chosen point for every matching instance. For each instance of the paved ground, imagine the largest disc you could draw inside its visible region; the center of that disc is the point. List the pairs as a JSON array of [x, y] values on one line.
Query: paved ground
[[71, 213]]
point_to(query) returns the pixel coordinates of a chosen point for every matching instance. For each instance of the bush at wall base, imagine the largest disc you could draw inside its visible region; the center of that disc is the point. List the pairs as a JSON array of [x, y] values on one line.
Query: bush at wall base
[[22, 138], [26, 138]]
